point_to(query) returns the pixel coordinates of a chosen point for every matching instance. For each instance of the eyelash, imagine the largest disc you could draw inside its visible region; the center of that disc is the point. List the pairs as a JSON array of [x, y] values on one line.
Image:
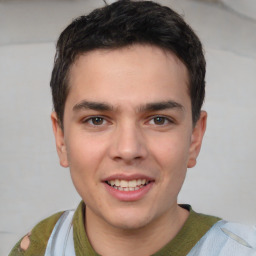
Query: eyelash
[[166, 120], [102, 120], [93, 118]]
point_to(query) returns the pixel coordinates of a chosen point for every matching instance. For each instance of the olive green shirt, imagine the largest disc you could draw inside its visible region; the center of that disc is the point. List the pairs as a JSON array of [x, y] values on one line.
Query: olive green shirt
[[194, 228]]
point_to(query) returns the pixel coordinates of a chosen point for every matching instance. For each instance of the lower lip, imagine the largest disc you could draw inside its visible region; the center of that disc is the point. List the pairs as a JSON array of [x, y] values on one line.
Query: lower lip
[[129, 196]]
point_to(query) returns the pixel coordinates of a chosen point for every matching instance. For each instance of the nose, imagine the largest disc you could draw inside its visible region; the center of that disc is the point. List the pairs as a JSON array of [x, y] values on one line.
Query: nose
[[128, 144]]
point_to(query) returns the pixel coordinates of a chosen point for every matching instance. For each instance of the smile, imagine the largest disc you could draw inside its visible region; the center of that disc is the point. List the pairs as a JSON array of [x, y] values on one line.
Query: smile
[[131, 185]]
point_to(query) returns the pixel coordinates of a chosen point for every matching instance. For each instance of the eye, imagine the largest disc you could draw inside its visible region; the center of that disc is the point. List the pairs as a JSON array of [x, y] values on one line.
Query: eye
[[160, 120], [95, 121]]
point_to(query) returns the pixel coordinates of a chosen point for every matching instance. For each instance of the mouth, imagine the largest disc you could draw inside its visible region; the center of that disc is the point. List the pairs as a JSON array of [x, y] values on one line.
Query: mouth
[[125, 185]]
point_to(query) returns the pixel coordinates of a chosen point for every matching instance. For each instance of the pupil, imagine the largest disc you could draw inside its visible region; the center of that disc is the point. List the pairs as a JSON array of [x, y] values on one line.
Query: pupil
[[97, 120], [159, 120]]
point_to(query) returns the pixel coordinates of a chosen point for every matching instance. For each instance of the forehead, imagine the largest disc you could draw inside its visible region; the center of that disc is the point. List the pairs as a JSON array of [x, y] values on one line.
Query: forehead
[[135, 73]]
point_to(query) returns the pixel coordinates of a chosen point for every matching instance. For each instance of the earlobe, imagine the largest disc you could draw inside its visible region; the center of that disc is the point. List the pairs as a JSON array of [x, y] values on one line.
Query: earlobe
[[59, 140], [196, 139]]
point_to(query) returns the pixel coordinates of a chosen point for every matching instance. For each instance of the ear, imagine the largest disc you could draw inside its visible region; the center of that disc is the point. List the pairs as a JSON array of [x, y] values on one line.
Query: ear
[[196, 139], [59, 140]]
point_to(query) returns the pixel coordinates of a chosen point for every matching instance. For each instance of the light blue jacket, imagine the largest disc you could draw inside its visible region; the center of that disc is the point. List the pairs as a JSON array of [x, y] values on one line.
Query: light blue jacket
[[223, 239], [227, 239]]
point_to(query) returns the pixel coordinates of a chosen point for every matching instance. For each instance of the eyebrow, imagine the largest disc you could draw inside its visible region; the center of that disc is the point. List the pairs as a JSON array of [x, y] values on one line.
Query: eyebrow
[[157, 106], [154, 106], [98, 106]]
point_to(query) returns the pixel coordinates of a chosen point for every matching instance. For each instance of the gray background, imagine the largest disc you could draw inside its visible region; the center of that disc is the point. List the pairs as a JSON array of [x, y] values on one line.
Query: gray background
[[33, 185]]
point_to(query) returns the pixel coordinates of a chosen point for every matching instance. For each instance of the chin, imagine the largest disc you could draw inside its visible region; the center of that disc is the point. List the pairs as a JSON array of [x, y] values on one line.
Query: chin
[[131, 225], [130, 220]]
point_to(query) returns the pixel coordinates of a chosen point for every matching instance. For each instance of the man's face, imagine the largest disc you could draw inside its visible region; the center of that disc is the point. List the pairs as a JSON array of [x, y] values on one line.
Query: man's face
[[128, 136]]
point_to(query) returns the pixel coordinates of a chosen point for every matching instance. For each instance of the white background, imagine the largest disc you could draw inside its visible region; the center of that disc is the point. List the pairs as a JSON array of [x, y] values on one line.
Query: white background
[[33, 185]]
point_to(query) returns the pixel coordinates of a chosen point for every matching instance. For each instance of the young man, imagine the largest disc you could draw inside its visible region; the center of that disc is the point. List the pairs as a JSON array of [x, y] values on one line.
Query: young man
[[128, 86]]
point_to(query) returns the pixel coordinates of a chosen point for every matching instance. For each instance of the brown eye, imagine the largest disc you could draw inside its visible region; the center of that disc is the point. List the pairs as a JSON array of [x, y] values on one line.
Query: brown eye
[[95, 121], [159, 120]]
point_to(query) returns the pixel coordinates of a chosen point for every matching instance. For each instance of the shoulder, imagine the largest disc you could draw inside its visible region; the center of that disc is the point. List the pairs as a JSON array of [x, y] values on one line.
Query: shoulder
[[199, 223], [242, 234], [227, 238], [36, 240]]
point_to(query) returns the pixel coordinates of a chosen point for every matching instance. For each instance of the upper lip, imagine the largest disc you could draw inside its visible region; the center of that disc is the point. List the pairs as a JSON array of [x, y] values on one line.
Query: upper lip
[[122, 176]]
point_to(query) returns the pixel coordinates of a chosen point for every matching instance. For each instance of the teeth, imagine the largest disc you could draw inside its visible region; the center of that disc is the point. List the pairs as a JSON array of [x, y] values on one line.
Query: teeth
[[124, 185], [138, 182], [132, 184]]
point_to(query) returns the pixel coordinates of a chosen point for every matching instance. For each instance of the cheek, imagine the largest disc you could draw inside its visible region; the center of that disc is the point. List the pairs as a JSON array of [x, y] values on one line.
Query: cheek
[[84, 156], [171, 151], [83, 160], [85, 151]]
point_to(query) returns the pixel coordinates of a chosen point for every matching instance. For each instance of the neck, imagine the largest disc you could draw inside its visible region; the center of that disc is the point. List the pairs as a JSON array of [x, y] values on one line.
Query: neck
[[112, 241]]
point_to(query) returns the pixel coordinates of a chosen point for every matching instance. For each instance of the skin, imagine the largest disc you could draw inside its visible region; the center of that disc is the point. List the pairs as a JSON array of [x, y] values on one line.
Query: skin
[[117, 122], [25, 242]]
